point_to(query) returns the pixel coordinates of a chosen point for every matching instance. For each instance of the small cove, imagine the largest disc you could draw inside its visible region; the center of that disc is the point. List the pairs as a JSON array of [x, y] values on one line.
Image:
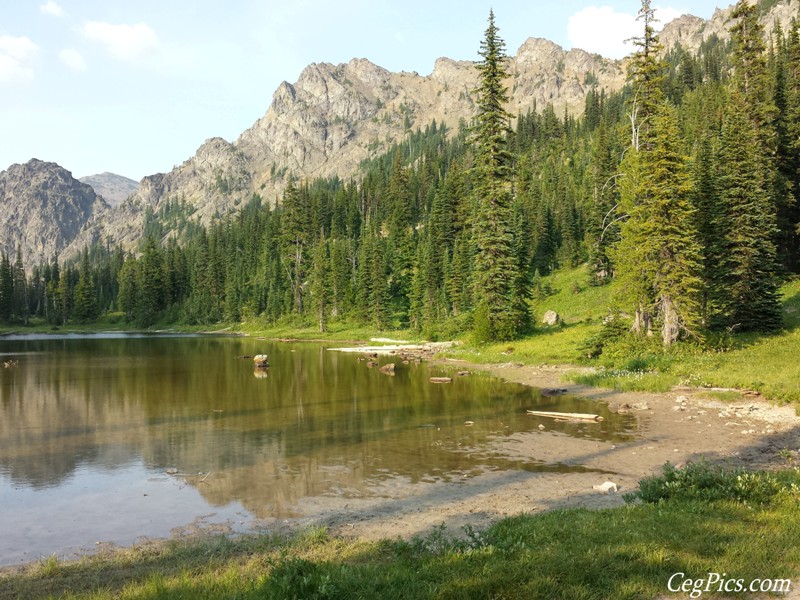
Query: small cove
[[92, 425]]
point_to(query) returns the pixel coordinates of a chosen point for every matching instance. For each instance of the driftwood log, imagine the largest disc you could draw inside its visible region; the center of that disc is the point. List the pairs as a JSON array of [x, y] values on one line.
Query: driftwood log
[[566, 416]]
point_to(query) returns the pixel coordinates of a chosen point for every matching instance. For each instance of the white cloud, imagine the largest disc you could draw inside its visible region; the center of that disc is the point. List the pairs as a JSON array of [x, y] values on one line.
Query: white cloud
[[17, 55], [124, 42], [72, 59], [52, 9], [603, 30]]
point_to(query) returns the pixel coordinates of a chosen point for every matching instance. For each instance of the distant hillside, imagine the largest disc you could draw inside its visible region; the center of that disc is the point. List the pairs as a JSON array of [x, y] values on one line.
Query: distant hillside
[[114, 188]]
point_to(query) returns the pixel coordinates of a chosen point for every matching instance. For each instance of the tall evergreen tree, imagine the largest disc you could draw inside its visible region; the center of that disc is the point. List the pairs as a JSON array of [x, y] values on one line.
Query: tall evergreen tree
[[295, 241], [646, 73], [6, 289], [746, 281], [500, 314], [20, 302], [85, 307], [320, 283], [658, 256]]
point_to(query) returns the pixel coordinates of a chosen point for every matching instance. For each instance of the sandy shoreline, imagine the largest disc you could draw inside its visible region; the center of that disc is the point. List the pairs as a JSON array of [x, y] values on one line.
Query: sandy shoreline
[[672, 427]]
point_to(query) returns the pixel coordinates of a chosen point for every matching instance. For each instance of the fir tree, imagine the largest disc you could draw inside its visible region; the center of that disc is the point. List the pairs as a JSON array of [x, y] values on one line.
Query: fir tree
[[658, 256], [6, 289], [85, 307], [646, 74], [500, 314], [745, 285], [320, 286], [128, 289], [20, 302], [150, 286], [294, 241]]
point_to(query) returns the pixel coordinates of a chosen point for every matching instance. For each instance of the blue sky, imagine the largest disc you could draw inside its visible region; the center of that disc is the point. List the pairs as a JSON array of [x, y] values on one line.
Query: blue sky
[[135, 87]]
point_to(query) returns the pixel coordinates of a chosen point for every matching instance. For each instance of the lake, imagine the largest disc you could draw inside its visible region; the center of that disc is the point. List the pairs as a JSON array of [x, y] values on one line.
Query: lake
[[109, 438]]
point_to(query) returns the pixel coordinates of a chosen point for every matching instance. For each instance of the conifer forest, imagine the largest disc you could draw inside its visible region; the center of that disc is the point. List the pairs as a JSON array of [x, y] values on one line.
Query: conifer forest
[[683, 188]]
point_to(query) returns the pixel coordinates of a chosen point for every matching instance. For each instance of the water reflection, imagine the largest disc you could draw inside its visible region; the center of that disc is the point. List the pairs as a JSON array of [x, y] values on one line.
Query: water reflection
[[315, 423]]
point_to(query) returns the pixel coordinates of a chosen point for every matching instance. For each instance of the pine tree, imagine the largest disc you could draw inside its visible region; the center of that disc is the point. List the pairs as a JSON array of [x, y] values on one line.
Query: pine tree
[[85, 307], [603, 225], [658, 257], [746, 281], [6, 289], [401, 242], [295, 241], [646, 74], [128, 292], [499, 313], [20, 303], [64, 296], [320, 285], [708, 221], [150, 286]]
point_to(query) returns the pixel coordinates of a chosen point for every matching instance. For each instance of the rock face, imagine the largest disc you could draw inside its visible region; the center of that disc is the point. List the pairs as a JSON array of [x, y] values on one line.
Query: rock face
[[690, 31], [335, 116], [114, 189], [42, 209]]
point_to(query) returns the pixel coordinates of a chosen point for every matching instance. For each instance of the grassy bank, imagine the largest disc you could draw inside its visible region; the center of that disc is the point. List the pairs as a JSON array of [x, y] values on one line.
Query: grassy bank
[[696, 521], [762, 362]]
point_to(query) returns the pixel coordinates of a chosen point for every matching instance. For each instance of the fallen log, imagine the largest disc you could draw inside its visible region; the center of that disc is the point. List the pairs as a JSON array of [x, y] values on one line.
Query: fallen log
[[566, 416], [441, 379]]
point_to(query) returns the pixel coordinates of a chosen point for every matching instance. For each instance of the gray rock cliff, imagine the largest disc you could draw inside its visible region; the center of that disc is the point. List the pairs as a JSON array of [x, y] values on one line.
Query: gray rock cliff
[[42, 209]]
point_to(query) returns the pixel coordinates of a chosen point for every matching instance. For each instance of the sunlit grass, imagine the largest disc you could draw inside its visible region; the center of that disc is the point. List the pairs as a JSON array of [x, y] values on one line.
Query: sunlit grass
[[622, 553]]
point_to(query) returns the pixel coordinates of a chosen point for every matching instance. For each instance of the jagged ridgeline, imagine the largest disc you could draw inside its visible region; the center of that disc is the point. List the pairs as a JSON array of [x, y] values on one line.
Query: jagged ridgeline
[[394, 245]]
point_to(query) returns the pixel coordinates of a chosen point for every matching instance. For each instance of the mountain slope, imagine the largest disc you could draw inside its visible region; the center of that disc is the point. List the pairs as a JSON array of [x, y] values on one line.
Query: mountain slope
[[42, 209], [335, 116], [114, 188]]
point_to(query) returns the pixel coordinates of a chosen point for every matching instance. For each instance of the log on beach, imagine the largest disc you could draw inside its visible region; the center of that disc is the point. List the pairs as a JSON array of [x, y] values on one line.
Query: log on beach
[[566, 416]]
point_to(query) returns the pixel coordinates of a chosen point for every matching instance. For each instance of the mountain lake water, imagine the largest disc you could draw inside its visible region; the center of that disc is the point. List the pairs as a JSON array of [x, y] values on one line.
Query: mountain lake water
[[110, 438]]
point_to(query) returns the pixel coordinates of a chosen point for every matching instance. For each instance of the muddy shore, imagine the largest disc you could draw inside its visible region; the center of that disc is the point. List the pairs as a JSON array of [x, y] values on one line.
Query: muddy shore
[[674, 427]]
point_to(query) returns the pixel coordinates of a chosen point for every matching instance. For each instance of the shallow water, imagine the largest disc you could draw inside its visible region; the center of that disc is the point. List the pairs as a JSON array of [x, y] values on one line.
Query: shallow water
[[107, 438]]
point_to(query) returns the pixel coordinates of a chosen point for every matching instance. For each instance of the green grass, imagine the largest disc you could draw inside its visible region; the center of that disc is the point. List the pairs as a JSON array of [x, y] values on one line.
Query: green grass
[[762, 362], [698, 521]]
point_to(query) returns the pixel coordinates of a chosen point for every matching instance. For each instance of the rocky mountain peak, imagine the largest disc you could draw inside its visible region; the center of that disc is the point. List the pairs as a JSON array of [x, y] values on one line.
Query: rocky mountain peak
[[335, 116], [42, 209]]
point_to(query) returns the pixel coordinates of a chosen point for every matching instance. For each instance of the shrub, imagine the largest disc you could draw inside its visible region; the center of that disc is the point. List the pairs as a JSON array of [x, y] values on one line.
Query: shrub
[[706, 482]]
